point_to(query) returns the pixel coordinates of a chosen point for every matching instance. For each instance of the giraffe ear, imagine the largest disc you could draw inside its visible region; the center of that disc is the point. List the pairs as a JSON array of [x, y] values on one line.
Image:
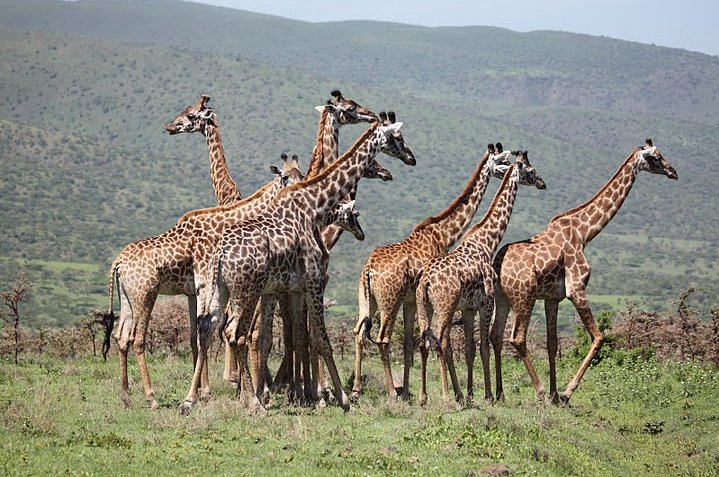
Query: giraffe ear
[[202, 102], [320, 108], [275, 170]]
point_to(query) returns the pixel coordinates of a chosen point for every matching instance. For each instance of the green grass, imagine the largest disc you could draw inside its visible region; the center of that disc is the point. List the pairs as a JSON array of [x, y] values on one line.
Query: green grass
[[634, 418]]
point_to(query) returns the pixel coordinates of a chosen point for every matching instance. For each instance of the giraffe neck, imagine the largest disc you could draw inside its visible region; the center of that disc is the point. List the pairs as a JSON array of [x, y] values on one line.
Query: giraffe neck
[[331, 234], [318, 196], [226, 190], [452, 223], [257, 202], [326, 148], [590, 218], [488, 232]]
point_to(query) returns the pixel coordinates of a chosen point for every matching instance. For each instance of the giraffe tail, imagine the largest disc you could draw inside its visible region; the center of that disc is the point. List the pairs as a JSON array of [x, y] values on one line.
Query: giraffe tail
[[424, 312], [108, 319]]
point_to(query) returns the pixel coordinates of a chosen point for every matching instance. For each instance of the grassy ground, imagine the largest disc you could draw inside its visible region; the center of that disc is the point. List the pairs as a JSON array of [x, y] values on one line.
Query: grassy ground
[[627, 418]]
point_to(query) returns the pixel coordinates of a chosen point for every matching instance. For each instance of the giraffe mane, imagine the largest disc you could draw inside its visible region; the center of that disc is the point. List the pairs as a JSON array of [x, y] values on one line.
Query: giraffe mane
[[604, 187], [318, 156], [463, 197], [335, 165], [495, 200]]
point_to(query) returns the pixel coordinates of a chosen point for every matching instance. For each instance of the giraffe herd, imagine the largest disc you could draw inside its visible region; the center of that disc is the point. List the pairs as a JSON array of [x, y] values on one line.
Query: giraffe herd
[[239, 261]]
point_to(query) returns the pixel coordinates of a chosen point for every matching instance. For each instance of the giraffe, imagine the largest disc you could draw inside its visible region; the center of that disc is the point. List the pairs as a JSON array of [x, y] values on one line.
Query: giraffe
[[164, 264], [279, 252], [202, 118], [551, 266], [337, 112], [330, 234], [463, 280], [389, 276]]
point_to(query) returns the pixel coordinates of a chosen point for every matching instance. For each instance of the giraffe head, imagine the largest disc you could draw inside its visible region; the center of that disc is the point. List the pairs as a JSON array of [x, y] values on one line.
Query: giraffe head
[[394, 145], [377, 171], [527, 174], [347, 218], [348, 111], [193, 118], [289, 173], [651, 160]]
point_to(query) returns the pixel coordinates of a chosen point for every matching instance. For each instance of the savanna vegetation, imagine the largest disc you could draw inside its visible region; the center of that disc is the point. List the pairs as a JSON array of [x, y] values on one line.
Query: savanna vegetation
[[646, 407]]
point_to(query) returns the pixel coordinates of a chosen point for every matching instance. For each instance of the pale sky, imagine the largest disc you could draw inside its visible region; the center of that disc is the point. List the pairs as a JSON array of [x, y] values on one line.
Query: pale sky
[[688, 24]]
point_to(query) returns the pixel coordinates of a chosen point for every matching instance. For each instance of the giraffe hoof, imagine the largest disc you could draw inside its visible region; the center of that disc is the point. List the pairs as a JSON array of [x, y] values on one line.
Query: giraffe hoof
[[125, 399], [564, 399], [422, 399], [184, 408], [154, 405]]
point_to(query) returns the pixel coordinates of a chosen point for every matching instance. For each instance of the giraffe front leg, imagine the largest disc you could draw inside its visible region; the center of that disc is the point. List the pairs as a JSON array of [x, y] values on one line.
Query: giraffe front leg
[[359, 334], [206, 325], [579, 300], [230, 372]]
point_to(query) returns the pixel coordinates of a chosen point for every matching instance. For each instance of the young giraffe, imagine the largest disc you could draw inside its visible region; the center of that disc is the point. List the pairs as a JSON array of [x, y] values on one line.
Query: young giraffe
[[551, 266], [164, 264], [279, 252], [201, 118], [388, 279], [463, 280]]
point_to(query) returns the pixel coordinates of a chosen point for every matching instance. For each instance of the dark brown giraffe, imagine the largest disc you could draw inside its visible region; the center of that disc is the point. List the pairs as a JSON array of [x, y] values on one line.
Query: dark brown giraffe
[[463, 280], [278, 252], [551, 266]]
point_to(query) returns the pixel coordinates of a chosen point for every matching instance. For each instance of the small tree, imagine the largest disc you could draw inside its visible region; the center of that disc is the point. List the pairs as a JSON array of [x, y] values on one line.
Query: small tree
[[11, 313]]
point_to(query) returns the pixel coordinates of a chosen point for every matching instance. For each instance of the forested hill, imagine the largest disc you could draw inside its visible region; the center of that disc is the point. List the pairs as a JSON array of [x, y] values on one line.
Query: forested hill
[[536, 68], [85, 88]]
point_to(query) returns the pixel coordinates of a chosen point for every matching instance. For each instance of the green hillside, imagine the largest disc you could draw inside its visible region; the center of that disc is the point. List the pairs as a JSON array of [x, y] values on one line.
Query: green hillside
[[86, 86]]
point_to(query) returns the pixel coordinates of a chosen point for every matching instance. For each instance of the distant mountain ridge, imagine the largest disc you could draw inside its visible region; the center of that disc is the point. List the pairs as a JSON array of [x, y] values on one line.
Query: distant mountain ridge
[[537, 68]]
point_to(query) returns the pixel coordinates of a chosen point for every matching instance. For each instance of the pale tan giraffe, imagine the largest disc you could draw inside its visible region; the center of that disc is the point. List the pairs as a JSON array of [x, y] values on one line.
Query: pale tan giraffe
[[388, 279], [463, 280], [164, 264], [551, 266], [279, 252], [199, 117]]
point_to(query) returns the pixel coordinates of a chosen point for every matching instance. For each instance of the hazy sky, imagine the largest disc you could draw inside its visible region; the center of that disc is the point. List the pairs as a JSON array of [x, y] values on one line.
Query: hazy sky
[[689, 24]]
